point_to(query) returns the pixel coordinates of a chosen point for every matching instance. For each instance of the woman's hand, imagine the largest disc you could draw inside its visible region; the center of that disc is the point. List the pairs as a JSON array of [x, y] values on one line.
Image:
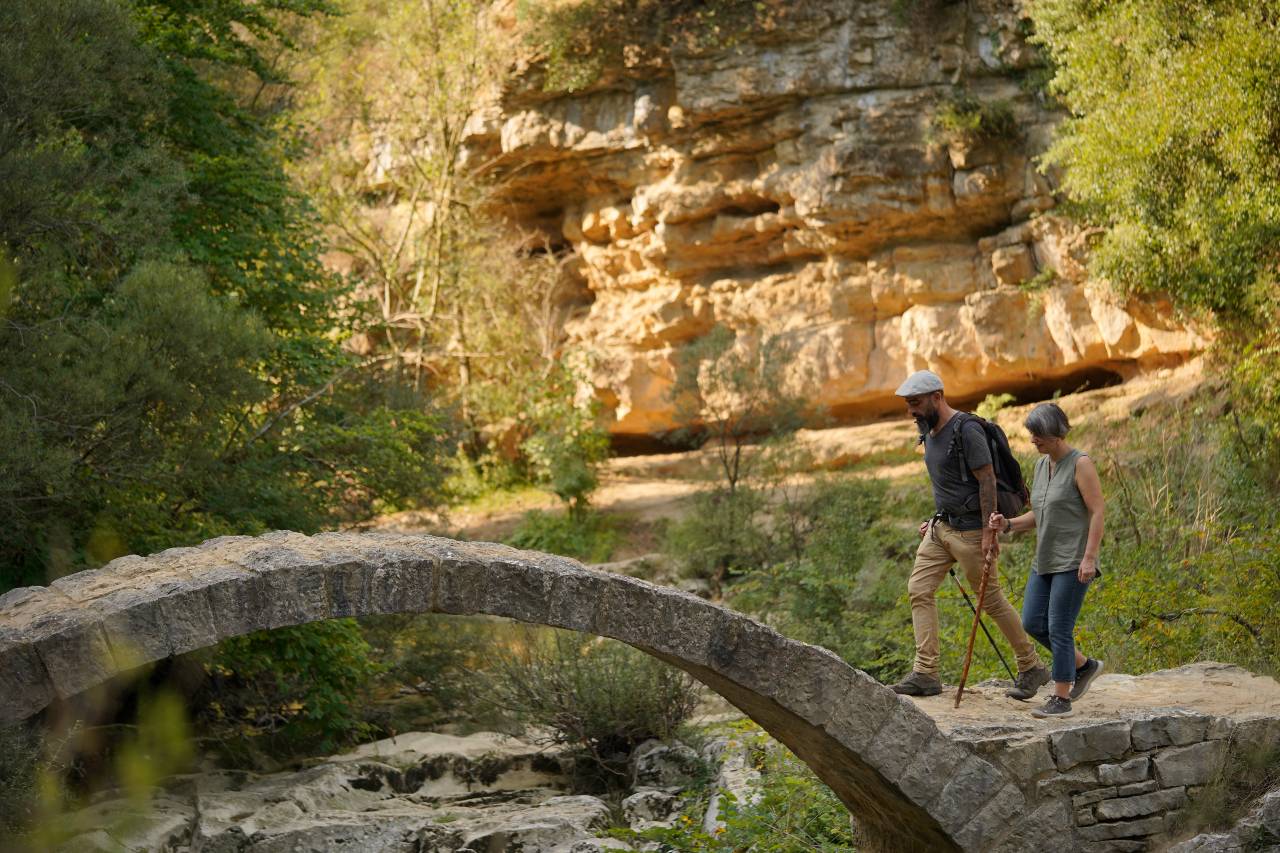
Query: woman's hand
[[996, 522], [1088, 569]]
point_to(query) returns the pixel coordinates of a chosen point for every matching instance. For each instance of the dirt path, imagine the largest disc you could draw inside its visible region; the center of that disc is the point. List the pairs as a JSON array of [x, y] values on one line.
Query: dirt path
[[1208, 687]]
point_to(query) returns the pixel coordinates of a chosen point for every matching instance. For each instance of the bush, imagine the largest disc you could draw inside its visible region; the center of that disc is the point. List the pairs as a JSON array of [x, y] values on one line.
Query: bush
[[588, 535], [429, 662], [963, 119], [720, 536], [844, 589], [599, 697], [294, 690]]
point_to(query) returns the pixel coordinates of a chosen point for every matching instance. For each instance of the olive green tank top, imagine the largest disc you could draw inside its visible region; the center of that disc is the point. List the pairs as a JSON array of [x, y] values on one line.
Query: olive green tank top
[[1062, 519]]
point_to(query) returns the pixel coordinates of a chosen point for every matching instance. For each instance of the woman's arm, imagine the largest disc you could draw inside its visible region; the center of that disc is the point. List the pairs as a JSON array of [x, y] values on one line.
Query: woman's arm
[[1091, 490], [1000, 524]]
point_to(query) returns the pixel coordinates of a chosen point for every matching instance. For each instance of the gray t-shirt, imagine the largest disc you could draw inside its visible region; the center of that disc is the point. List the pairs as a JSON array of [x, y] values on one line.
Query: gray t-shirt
[[954, 494]]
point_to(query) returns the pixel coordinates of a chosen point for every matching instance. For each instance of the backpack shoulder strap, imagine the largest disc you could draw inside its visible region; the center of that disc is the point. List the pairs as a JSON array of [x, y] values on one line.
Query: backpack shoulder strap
[[965, 419]]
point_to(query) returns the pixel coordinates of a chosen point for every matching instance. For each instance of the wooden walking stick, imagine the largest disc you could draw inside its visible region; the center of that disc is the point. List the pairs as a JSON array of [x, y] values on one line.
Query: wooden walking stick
[[987, 560]]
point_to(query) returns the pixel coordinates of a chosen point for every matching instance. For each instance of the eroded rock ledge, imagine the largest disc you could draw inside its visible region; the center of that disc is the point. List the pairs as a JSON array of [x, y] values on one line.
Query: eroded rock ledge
[[791, 184]]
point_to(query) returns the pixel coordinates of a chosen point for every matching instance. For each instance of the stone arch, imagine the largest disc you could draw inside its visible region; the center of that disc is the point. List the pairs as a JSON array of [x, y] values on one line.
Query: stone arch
[[908, 785]]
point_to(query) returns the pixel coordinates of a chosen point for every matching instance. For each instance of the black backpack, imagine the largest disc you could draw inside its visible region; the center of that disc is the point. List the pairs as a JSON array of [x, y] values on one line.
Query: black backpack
[[1012, 495]]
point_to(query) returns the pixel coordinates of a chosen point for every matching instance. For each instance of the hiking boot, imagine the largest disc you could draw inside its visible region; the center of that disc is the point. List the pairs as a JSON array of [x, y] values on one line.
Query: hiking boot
[[918, 684], [1084, 675], [1055, 707], [1027, 683]]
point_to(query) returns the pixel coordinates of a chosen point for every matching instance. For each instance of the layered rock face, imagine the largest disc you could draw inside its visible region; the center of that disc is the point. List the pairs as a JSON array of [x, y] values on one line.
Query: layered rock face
[[794, 184]]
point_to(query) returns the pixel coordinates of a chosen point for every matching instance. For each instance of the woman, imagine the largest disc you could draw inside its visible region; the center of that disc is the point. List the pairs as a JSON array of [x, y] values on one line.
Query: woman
[[1067, 513]]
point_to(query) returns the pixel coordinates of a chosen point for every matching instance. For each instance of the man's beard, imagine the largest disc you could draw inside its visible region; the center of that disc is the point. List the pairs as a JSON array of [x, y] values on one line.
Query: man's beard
[[926, 423]]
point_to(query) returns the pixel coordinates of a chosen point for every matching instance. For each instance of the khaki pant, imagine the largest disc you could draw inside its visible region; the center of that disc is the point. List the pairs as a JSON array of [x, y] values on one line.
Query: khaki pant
[[942, 547]]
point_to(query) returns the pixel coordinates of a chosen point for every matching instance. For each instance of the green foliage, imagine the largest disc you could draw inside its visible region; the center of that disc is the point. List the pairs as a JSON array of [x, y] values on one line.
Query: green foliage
[[435, 657], [598, 696], [1174, 142], [719, 536], [1039, 281], [566, 444], [844, 588], [299, 688], [585, 535], [584, 39], [963, 119], [789, 811], [991, 404]]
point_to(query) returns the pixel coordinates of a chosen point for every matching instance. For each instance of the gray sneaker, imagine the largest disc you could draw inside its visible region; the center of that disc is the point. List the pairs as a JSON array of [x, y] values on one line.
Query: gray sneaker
[[1054, 706], [1027, 683], [1084, 676], [918, 684]]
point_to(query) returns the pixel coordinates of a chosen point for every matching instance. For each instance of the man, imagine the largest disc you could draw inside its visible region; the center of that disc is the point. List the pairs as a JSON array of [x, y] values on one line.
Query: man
[[964, 496]]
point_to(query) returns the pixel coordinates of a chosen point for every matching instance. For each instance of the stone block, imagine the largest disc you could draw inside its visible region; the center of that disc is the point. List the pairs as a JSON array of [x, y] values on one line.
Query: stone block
[[928, 772], [1137, 788], [403, 581], [74, 651], [1025, 758], [1085, 816], [1133, 770], [684, 626], [24, 685], [1122, 829], [1027, 833], [294, 586], [1074, 781], [975, 782], [1190, 765], [857, 719], [1097, 795], [1169, 728], [461, 583], [1142, 804], [577, 602], [1095, 742], [901, 735], [992, 821], [1118, 845], [518, 589]]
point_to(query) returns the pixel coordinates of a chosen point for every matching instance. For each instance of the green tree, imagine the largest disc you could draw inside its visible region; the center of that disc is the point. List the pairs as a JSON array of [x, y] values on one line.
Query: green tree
[[1173, 142]]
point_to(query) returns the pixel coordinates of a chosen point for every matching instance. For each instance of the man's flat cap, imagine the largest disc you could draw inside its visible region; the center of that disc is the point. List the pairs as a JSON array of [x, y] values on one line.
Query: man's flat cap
[[920, 382]]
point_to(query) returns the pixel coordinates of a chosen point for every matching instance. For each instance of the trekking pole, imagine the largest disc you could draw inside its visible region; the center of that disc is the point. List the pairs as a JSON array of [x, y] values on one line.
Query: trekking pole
[[990, 639], [977, 615]]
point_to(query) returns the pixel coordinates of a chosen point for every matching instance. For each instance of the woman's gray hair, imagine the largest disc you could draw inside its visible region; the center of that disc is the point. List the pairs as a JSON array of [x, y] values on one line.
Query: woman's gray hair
[[1048, 420]]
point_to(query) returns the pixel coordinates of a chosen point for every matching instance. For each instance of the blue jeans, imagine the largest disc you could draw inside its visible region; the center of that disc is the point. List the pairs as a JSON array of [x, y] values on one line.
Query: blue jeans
[[1050, 606]]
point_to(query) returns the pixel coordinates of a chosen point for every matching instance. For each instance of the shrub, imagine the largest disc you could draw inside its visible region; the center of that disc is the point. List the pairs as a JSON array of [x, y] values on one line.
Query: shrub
[[429, 662], [720, 536], [991, 404], [963, 119], [587, 535], [843, 590], [296, 690], [599, 697]]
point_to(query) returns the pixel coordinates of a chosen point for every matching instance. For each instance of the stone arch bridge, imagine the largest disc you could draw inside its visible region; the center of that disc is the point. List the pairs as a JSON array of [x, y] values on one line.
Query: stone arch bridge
[[909, 786]]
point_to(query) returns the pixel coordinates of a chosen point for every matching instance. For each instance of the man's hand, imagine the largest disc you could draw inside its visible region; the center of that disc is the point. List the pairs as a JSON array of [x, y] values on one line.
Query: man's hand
[[1088, 569], [924, 528]]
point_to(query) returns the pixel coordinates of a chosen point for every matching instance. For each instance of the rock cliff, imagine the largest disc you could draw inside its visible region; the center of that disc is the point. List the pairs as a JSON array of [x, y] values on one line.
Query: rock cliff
[[796, 183]]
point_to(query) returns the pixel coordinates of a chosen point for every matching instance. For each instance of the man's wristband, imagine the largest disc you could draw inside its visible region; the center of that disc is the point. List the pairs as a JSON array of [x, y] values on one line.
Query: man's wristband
[[1008, 525]]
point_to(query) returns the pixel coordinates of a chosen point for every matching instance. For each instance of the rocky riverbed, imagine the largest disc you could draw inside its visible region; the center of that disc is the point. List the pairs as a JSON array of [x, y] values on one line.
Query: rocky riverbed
[[421, 792]]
